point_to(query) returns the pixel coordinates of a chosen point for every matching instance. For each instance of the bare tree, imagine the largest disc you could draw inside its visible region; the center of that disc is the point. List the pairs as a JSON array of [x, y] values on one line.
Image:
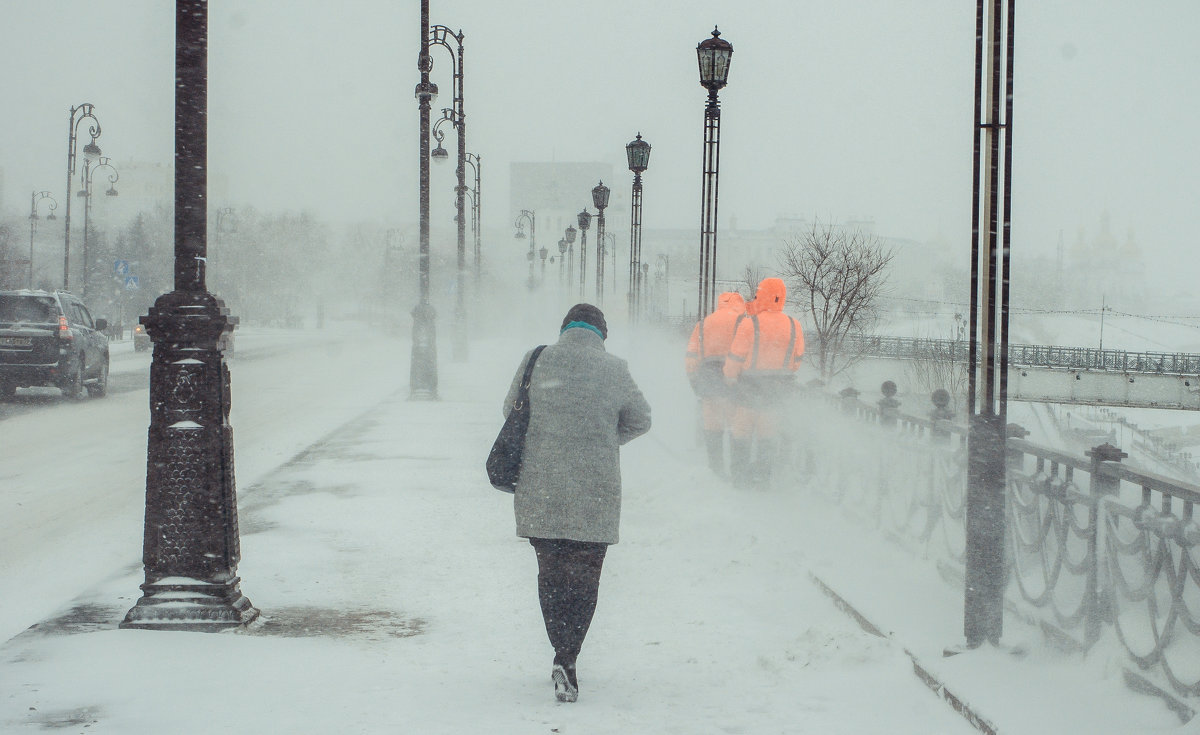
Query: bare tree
[[837, 275], [751, 277]]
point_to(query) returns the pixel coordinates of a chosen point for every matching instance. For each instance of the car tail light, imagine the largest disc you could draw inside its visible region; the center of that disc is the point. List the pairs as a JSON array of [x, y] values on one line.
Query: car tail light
[[64, 331]]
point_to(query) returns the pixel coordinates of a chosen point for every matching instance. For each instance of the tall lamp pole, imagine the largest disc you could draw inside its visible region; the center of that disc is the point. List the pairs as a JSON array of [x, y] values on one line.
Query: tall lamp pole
[[713, 55], [476, 164], [585, 221], [91, 152], [190, 548], [423, 377], [438, 36], [570, 235], [987, 390], [600, 194], [530, 216], [89, 170], [638, 154], [36, 198]]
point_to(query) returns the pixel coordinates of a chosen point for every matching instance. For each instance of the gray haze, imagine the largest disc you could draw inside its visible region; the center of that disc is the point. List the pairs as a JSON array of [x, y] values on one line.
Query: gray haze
[[833, 110]]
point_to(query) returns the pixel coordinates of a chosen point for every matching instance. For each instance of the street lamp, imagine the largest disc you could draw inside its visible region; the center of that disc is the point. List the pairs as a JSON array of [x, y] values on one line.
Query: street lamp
[[585, 220], [439, 35], [562, 260], [570, 236], [600, 194], [476, 164], [36, 198], [91, 152], [190, 543], [543, 252], [530, 216], [89, 170], [423, 377], [638, 154], [713, 55]]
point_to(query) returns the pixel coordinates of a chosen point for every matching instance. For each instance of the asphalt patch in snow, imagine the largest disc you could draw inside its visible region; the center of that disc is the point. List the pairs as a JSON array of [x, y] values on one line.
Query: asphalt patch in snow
[[313, 622]]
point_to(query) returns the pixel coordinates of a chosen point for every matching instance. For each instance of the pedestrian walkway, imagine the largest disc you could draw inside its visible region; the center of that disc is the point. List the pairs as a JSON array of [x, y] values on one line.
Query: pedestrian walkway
[[396, 598]]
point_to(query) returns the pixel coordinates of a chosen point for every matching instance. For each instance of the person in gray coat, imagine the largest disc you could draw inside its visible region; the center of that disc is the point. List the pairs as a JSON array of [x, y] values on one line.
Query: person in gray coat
[[583, 406]]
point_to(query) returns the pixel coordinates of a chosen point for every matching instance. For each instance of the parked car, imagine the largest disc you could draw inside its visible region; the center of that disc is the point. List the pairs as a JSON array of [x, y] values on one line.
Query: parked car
[[141, 340], [50, 339]]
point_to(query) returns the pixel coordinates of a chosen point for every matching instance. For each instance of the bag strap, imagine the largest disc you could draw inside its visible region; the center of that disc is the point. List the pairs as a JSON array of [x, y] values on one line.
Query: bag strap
[[523, 392]]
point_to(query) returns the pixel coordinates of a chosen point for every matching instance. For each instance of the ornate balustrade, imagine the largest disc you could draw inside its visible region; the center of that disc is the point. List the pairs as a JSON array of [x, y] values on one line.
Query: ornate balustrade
[[1095, 548]]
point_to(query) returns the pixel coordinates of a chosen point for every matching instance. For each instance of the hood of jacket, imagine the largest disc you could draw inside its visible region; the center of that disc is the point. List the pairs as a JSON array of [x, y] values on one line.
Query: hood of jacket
[[772, 293], [731, 300]]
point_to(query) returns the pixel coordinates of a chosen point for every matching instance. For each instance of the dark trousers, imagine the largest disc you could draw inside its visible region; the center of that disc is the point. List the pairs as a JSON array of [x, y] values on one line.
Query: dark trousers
[[568, 582]]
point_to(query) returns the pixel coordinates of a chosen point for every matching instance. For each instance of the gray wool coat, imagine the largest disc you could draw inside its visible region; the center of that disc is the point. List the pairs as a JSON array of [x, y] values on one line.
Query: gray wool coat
[[583, 406]]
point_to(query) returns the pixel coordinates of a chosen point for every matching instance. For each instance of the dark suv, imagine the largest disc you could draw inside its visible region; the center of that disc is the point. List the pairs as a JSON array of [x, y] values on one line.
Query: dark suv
[[50, 339]]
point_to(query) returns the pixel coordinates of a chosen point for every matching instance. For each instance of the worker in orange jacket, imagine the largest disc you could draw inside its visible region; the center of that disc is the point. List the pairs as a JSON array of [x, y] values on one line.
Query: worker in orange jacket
[[705, 359], [761, 366]]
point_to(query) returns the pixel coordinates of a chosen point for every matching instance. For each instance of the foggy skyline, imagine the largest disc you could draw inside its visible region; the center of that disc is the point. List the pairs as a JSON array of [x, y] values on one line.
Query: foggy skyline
[[853, 110]]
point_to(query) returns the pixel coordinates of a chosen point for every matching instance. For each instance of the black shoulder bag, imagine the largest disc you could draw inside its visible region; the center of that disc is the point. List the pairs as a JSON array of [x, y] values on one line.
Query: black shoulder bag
[[504, 461]]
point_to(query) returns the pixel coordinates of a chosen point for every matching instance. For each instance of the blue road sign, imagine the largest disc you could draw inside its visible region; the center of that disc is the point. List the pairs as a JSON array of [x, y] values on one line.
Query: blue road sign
[[131, 283], [121, 267]]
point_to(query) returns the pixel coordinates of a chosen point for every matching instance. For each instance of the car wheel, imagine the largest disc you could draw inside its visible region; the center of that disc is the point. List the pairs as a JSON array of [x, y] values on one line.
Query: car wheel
[[100, 388], [73, 389]]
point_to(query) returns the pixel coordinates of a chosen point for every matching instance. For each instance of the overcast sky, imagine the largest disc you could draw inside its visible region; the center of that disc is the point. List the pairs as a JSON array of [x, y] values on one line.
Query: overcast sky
[[859, 108]]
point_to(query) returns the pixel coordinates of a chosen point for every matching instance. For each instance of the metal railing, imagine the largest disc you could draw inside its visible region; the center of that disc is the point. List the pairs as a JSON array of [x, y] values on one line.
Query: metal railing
[[1019, 355], [1095, 548]]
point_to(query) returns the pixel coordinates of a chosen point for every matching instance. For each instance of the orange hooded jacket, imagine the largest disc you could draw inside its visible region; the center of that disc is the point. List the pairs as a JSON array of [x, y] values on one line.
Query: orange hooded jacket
[[711, 338], [768, 342]]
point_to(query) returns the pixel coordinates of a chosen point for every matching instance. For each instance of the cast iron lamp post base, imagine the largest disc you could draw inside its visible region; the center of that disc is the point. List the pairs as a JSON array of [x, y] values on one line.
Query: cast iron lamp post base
[[191, 548]]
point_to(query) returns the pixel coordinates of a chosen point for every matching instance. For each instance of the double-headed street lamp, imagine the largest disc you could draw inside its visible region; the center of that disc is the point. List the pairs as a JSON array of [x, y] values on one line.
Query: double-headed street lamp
[[585, 221], [600, 194], [476, 165], [423, 377], [638, 154], [91, 152], [89, 170], [713, 55], [439, 36], [35, 199], [530, 216]]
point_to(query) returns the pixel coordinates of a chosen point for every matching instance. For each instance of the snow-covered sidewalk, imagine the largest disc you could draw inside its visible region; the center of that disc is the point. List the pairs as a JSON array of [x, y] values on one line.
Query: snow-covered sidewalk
[[395, 597]]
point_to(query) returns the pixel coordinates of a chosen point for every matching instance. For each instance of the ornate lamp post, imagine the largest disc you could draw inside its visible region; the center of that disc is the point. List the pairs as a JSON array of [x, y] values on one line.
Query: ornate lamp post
[[423, 377], [530, 216], [638, 154], [600, 194], [191, 547], [36, 198], [91, 152], [89, 170], [562, 261], [476, 167], [585, 221], [713, 55], [570, 235], [543, 253], [438, 36]]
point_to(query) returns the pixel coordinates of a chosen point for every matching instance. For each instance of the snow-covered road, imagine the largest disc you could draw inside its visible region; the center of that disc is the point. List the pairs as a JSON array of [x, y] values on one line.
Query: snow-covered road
[[73, 475]]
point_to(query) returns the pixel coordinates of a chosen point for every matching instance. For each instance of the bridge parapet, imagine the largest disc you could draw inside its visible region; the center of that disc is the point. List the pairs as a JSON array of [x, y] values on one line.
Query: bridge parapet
[[1096, 549]]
